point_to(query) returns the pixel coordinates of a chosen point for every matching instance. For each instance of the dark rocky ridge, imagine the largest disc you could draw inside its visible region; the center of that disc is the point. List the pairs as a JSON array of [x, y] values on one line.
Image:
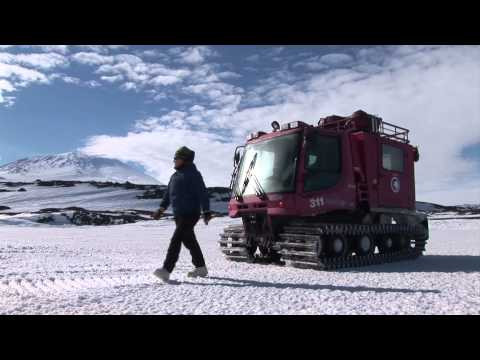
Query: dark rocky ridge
[[83, 216], [431, 208], [150, 191]]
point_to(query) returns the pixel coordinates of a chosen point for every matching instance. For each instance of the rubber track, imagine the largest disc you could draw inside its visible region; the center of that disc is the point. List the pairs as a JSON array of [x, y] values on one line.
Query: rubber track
[[301, 235], [233, 244], [296, 233]]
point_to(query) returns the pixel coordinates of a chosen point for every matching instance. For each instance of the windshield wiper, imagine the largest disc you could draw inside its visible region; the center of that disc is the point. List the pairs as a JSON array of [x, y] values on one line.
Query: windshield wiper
[[248, 175], [259, 190], [237, 193], [233, 185]]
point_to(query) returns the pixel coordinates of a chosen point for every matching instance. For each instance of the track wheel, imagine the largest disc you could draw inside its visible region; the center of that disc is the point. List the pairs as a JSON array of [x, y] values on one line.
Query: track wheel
[[338, 246], [270, 255], [364, 245], [401, 242], [385, 244]]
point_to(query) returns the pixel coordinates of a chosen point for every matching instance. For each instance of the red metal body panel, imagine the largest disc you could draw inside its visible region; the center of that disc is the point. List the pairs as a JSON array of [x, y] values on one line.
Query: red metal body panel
[[364, 149], [404, 195], [367, 154], [341, 196], [363, 182]]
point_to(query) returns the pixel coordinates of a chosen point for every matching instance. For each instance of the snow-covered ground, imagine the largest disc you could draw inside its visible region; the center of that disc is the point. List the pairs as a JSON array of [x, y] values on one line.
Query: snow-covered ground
[[47, 269]]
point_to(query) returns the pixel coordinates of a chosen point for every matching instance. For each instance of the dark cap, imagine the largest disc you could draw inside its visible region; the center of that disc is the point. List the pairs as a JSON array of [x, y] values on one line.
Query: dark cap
[[185, 154]]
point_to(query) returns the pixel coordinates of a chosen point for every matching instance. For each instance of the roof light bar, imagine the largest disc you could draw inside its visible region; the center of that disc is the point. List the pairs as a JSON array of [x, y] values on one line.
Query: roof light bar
[[291, 125], [255, 135]]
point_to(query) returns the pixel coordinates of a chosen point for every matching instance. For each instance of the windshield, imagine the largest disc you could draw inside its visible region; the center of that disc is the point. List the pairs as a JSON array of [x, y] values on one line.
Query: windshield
[[274, 166]]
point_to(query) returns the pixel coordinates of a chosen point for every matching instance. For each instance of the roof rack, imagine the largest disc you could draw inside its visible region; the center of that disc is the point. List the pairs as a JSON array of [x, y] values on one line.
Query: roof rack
[[393, 132], [362, 121]]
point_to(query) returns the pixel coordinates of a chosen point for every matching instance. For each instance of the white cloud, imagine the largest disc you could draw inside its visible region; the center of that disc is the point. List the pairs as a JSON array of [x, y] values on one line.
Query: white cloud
[[148, 124], [253, 58], [197, 108], [133, 73], [276, 50], [213, 90], [92, 58], [196, 54], [92, 83], [6, 86], [319, 63], [463, 192], [158, 96], [21, 73], [141, 74], [150, 53], [434, 91], [228, 75], [112, 79], [71, 80], [164, 80], [129, 86], [40, 61], [22, 70], [62, 49], [102, 49], [336, 59], [155, 149], [313, 65], [129, 59]]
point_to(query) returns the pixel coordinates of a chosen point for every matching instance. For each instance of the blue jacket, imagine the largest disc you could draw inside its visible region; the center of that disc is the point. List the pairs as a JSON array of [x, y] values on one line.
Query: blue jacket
[[186, 192]]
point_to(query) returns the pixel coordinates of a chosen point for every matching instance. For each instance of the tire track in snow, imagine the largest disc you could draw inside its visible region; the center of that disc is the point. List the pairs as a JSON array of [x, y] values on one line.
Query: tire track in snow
[[52, 285]]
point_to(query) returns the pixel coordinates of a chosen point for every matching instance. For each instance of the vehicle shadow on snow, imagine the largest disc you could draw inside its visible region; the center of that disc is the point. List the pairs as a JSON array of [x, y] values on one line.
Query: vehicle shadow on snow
[[428, 263], [238, 283]]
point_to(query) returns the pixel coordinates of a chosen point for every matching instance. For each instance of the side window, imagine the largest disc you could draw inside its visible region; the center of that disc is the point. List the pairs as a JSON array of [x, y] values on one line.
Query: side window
[[322, 162], [392, 158]]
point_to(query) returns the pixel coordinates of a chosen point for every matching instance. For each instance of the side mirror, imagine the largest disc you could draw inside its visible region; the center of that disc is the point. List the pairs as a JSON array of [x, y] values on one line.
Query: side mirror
[[238, 155], [416, 154]]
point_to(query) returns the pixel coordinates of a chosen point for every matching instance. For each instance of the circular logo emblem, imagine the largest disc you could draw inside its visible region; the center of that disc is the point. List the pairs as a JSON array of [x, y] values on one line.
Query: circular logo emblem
[[395, 184]]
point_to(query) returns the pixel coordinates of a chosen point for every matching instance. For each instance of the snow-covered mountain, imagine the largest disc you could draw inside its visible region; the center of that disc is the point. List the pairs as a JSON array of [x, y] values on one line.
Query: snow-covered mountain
[[73, 166]]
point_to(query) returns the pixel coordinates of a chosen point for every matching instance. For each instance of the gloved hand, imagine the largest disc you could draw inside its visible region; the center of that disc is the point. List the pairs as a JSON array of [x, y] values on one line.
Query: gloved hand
[[158, 214], [207, 216]]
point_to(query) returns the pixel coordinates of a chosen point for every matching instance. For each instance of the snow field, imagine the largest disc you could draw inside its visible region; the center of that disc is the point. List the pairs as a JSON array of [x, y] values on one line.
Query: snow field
[[107, 270]]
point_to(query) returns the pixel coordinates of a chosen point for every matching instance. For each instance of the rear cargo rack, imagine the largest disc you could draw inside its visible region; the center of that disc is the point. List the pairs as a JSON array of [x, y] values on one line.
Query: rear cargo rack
[[393, 132]]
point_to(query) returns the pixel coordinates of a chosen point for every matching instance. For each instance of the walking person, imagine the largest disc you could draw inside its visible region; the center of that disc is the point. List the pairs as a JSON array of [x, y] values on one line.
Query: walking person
[[188, 195]]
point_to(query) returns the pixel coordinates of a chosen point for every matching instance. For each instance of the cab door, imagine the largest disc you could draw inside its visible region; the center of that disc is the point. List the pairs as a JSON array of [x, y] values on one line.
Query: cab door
[[394, 183]]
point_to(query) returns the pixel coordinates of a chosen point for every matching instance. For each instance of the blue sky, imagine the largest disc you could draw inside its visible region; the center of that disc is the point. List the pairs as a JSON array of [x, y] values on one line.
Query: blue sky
[[140, 103]]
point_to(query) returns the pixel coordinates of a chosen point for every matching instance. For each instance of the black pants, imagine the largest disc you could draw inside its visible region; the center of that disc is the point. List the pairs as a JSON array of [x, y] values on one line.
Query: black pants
[[184, 234]]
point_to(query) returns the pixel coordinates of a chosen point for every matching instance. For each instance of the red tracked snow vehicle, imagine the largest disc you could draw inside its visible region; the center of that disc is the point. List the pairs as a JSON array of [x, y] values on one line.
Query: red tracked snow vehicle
[[335, 195]]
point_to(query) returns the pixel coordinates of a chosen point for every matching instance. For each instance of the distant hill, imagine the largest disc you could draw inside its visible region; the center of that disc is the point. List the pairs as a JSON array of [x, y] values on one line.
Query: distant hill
[[432, 208]]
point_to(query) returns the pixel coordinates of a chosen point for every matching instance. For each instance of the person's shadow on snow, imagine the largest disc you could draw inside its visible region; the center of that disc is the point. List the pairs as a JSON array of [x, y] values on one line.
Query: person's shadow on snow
[[238, 283]]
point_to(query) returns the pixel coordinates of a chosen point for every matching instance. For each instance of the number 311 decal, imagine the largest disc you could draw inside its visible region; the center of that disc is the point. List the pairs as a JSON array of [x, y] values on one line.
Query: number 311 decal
[[317, 202]]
